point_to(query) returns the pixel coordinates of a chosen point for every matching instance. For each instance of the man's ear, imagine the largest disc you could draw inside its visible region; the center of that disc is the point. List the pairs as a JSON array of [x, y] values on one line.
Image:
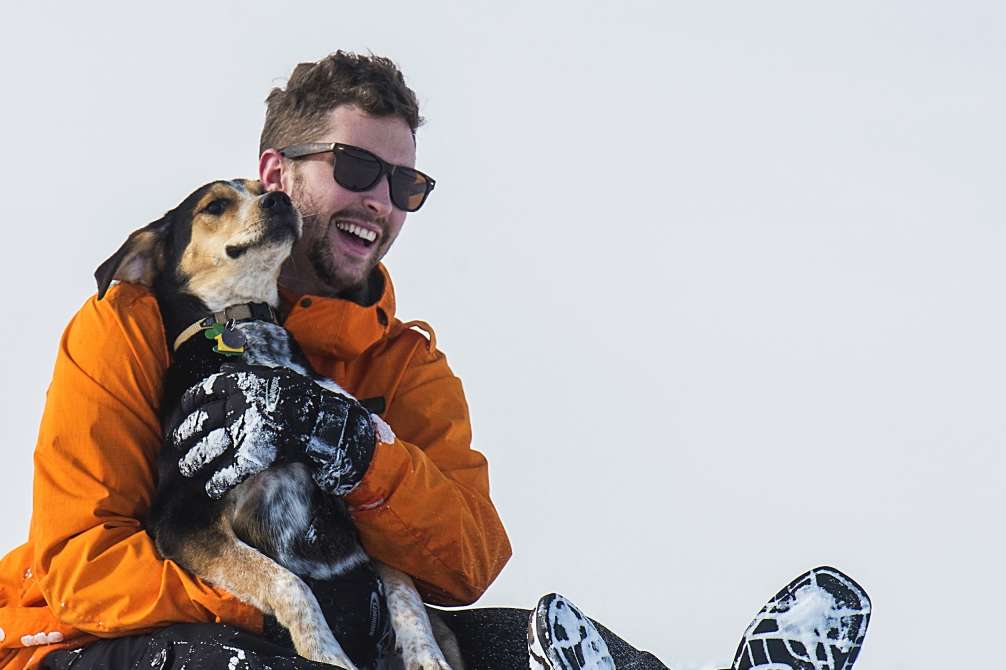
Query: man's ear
[[138, 260], [271, 170]]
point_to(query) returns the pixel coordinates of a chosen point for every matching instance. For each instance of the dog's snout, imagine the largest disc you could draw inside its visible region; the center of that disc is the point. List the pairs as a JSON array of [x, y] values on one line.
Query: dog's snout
[[275, 200]]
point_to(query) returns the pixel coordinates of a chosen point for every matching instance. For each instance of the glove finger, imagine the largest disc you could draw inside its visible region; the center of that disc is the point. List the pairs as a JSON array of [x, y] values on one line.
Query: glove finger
[[204, 452], [229, 476], [214, 387], [276, 393], [198, 424]]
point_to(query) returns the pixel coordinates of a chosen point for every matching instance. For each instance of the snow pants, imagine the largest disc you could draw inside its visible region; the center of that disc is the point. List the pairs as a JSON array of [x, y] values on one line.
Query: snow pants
[[490, 639]]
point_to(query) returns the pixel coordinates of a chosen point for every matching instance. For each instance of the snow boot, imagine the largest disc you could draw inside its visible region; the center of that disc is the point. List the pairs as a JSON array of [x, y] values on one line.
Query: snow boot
[[817, 622], [560, 637]]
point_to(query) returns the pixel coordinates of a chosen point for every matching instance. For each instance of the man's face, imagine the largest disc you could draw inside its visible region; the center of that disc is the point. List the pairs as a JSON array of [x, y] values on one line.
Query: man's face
[[329, 258]]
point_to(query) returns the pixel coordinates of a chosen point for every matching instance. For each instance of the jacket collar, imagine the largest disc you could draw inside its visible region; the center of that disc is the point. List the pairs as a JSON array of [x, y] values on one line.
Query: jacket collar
[[339, 327]]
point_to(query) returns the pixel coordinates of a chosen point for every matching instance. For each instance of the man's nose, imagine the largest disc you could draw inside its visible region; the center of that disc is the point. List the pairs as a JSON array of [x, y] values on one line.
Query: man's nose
[[378, 199]]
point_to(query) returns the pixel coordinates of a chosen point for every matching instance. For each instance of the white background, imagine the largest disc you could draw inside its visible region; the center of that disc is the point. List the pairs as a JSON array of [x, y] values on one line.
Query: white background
[[723, 280]]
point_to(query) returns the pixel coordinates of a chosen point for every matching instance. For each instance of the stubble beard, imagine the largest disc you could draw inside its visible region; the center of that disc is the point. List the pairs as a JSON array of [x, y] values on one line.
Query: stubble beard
[[316, 248], [320, 256]]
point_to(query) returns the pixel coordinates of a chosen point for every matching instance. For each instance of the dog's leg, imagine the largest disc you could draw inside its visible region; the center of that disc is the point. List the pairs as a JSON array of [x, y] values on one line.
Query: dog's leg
[[224, 560], [413, 631], [446, 640]]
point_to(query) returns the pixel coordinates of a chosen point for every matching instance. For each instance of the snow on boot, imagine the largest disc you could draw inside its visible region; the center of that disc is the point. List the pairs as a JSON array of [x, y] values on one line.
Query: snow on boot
[[816, 623], [560, 637]]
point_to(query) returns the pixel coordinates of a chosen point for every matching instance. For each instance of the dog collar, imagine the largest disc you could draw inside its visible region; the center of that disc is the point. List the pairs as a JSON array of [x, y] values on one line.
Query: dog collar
[[219, 322]]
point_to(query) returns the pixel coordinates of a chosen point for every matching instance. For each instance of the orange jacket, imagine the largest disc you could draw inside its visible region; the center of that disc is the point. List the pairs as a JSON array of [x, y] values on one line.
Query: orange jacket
[[90, 570]]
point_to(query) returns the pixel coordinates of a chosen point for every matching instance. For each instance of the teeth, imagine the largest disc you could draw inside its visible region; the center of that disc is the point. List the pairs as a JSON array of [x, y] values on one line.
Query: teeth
[[359, 231]]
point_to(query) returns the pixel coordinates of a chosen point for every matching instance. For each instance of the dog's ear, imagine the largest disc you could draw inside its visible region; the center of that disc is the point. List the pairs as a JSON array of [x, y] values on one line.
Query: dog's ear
[[138, 260]]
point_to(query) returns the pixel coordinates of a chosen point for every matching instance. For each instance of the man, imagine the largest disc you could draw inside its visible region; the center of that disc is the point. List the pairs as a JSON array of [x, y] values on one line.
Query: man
[[420, 503]]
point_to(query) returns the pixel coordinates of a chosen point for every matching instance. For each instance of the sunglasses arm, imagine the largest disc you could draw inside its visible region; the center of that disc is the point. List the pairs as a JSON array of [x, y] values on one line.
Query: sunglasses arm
[[301, 150]]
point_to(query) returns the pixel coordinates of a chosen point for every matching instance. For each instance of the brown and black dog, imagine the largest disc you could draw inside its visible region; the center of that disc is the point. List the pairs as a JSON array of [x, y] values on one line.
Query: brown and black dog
[[223, 247]]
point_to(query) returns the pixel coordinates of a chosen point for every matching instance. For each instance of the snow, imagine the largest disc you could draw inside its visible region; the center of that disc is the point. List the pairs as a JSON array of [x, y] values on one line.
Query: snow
[[239, 655], [191, 425], [254, 450], [382, 430], [41, 638], [810, 616], [204, 451], [207, 384]]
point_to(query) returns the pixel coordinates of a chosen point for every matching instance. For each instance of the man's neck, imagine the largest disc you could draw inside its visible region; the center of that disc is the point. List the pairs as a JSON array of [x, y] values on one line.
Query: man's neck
[[365, 294], [306, 286]]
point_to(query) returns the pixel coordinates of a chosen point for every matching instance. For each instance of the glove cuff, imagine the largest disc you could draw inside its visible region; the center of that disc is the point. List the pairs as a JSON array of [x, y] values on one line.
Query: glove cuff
[[342, 445]]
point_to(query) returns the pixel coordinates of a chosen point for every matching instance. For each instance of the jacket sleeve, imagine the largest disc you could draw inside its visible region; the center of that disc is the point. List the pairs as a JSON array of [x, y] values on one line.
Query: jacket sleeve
[[423, 506], [94, 477]]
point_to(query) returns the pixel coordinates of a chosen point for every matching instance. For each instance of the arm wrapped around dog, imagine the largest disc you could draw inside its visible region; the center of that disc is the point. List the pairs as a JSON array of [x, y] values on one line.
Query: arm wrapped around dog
[[241, 420], [93, 565]]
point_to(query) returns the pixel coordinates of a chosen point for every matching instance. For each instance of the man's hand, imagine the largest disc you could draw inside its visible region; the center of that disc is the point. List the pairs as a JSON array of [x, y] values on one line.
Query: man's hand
[[240, 420]]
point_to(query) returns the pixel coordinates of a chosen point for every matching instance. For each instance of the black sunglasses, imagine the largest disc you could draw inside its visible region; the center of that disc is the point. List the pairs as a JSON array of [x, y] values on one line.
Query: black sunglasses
[[359, 170]]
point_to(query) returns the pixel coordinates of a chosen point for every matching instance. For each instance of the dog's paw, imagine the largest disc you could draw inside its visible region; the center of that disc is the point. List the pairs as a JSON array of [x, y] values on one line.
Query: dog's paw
[[423, 656]]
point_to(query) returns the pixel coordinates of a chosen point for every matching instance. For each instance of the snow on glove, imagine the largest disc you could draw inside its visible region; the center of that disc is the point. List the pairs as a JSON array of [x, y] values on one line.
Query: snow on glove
[[241, 419]]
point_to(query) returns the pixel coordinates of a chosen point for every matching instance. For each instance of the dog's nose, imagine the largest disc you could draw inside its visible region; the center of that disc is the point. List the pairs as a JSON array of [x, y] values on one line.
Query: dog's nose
[[275, 200]]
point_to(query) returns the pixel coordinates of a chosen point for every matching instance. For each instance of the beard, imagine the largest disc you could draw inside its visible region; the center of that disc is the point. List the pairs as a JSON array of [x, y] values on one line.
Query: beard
[[336, 275], [321, 262], [318, 246]]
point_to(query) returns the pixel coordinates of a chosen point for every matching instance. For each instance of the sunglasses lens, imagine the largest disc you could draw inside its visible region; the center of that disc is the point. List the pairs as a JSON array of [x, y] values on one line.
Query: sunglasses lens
[[409, 189], [359, 170], [356, 170]]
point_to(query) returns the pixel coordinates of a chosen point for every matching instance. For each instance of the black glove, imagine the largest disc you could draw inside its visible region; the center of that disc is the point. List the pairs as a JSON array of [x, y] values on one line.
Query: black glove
[[240, 420]]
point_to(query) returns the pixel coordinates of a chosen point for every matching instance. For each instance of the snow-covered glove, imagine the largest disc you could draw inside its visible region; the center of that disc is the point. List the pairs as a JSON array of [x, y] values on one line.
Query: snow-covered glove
[[239, 421]]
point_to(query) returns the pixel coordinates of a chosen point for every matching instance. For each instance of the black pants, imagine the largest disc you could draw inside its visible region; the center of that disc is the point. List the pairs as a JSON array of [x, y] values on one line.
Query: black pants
[[490, 639], [496, 639]]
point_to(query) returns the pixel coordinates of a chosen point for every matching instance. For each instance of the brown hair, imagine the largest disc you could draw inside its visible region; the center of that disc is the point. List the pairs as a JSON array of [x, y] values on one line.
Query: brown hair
[[372, 83]]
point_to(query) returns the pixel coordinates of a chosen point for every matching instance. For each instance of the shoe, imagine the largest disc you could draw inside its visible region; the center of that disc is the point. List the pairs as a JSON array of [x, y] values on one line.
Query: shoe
[[817, 622], [560, 637]]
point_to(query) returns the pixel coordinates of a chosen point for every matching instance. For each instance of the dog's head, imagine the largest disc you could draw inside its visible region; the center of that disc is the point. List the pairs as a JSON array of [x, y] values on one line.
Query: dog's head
[[224, 244]]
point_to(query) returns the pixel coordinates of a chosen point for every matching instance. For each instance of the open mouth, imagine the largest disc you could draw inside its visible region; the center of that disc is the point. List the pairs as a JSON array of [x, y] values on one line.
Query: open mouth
[[355, 235]]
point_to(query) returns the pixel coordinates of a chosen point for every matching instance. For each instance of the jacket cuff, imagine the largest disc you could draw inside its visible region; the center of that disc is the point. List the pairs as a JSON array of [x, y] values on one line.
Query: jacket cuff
[[378, 481]]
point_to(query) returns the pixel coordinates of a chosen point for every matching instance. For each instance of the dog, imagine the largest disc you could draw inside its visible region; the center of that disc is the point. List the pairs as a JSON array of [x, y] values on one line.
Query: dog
[[222, 247]]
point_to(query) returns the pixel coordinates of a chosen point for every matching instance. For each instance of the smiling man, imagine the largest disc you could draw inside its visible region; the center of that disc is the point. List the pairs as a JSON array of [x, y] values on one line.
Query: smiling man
[[90, 589], [348, 227]]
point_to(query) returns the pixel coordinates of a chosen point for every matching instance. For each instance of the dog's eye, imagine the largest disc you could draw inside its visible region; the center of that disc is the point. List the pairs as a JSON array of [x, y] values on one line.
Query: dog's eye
[[217, 207]]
